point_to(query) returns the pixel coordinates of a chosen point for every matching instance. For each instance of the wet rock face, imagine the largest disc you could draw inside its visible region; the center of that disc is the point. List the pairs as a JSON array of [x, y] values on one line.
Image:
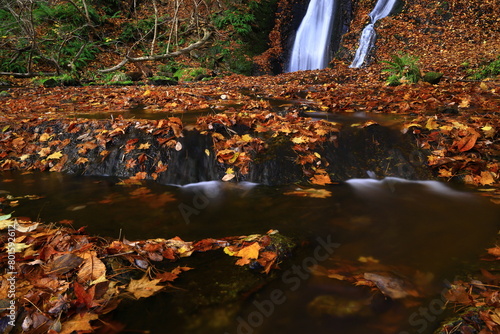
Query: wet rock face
[[160, 150]]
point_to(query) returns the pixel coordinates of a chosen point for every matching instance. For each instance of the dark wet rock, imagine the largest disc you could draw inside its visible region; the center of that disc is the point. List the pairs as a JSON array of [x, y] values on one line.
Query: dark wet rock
[[113, 148], [162, 81]]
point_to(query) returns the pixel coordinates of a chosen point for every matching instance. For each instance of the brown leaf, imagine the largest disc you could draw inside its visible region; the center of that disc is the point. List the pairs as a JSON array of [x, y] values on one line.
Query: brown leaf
[[92, 267], [80, 323], [467, 142], [63, 264]]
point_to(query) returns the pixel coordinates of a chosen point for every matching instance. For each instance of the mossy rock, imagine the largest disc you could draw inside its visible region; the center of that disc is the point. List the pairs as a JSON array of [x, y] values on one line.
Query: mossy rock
[[5, 93], [191, 74], [162, 81], [63, 80], [432, 77]]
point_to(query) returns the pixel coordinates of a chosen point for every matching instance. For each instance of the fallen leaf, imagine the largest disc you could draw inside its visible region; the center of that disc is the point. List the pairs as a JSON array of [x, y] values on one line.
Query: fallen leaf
[[144, 287], [92, 268], [80, 323], [467, 142], [321, 178], [56, 155]]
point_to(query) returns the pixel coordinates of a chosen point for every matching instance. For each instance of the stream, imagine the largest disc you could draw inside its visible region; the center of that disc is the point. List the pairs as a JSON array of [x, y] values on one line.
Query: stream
[[420, 233]]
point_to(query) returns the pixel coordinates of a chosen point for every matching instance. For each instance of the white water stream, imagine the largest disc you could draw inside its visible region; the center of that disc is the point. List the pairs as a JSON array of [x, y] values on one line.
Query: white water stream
[[311, 46], [382, 9]]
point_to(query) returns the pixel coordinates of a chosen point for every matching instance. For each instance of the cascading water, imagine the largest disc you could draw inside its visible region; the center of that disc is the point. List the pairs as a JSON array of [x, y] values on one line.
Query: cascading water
[[382, 9], [311, 47]]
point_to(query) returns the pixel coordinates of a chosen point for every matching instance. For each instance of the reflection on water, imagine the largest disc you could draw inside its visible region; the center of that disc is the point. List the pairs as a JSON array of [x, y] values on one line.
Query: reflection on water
[[413, 230]]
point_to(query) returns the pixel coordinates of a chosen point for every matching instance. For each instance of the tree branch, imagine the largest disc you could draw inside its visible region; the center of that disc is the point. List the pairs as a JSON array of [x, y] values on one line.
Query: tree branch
[[206, 36]]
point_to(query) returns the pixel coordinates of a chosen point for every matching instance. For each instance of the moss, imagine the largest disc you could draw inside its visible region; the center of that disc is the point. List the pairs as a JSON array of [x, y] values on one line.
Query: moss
[[191, 74], [432, 77]]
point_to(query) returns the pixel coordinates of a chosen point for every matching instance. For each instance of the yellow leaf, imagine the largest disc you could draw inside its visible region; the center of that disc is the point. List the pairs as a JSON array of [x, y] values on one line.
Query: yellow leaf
[[250, 252], [228, 251], [465, 103], [489, 131], [147, 93], [299, 140], [486, 178], [207, 152], [56, 155], [144, 146], [246, 138], [144, 287], [431, 124], [45, 136]]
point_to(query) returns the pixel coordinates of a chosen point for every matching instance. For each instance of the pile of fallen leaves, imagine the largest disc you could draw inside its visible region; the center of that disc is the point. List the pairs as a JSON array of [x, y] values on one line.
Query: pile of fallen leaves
[[477, 302], [66, 280]]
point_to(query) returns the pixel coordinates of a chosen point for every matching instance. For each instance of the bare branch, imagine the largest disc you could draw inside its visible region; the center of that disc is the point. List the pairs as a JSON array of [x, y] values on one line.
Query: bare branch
[[207, 34]]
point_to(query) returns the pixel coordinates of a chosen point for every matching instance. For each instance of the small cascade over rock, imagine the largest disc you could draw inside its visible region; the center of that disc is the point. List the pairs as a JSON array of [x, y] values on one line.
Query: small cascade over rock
[[382, 9], [311, 47]]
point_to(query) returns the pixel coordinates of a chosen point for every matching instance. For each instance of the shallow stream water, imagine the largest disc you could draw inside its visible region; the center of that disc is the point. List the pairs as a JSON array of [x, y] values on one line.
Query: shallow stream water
[[420, 233]]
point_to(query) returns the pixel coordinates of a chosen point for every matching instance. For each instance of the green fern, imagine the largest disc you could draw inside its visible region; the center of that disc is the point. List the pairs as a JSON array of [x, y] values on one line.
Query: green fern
[[403, 66]]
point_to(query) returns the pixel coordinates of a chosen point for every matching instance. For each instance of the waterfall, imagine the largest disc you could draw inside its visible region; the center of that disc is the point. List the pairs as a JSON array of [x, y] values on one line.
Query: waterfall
[[382, 9], [311, 48]]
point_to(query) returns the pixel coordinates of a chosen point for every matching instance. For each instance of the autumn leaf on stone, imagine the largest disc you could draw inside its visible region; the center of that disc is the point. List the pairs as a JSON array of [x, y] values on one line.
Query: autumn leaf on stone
[[55, 156], [43, 152], [144, 287], [321, 178], [248, 253]]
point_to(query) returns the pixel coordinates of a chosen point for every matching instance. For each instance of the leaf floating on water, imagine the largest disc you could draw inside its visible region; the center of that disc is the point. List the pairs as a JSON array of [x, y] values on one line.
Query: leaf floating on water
[[144, 287]]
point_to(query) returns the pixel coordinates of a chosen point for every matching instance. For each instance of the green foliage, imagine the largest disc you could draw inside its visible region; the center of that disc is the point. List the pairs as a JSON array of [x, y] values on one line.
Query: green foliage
[[488, 71], [240, 21], [64, 13], [404, 67], [393, 80], [134, 31]]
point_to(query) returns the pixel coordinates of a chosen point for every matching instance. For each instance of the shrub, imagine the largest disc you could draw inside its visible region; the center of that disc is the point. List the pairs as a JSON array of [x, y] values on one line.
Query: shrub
[[404, 67], [488, 71]]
